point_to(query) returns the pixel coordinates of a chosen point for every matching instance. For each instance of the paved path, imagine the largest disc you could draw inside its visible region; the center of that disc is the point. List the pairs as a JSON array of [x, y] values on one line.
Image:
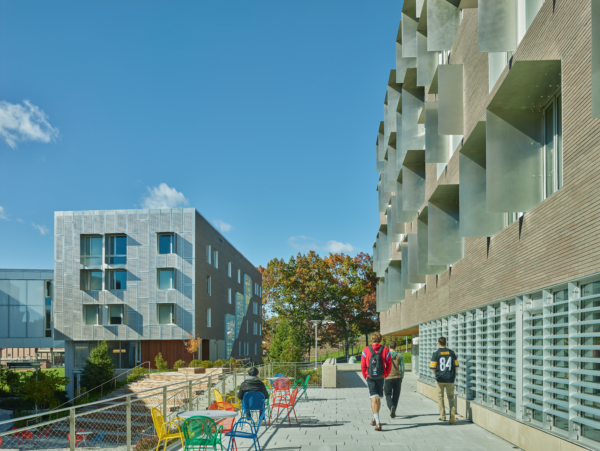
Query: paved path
[[339, 419]]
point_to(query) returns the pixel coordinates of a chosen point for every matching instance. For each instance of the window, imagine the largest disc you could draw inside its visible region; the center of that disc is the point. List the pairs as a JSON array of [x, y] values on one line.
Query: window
[[116, 250], [48, 289], [91, 280], [91, 315], [254, 328], [240, 346], [216, 259], [48, 309], [208, 252], [229, 295], [117, 280], [208, 280], [255, 349], [239, 276], [553, 146], [90, 250], [229, 269], [247, 321], [166, 279], [166, 243], [208, 317], [115, 315], [165, 314]]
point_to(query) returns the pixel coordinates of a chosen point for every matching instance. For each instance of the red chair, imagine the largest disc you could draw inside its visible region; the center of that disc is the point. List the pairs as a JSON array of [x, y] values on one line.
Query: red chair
[[78, 438], [27, 435], [16, 435], [281, 402], [44, 433], [0, 442], [227, 423], [282, 386]]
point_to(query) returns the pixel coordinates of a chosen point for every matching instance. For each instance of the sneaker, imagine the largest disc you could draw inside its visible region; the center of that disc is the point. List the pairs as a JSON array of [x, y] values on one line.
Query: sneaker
[[442, 419], [373, 422], [393, 412], [378, 427], [452, 415]]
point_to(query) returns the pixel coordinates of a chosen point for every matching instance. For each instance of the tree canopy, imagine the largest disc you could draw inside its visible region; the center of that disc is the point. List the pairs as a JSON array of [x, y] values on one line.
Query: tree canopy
[[98, 367]]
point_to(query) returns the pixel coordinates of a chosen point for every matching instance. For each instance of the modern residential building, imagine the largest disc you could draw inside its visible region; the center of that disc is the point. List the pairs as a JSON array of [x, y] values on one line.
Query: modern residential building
[[488, 198], [144, 280]]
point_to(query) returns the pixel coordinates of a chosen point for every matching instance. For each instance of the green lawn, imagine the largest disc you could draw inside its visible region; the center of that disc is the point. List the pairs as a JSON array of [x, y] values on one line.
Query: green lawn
[[28, 373]]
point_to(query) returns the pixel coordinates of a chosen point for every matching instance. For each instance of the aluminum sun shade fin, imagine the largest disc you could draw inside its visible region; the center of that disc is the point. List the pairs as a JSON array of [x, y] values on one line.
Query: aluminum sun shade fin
[[423, 266], [394, 94], [381, 197], [403, 216], [391, 172], [413, 180], [384, 251], [380, 148], [409, 36], [413, 98], [402, 63], [443, 20], [497, 25], [395, 228], [422, 16], [427, 62], [596, 58], [413, 260], [419, 4], [446, 246], [514, 136], [395, 288], [475, 219], [382, 305], [451, 108], [405, 264], [399, 153], [464, 4], [436, 145]]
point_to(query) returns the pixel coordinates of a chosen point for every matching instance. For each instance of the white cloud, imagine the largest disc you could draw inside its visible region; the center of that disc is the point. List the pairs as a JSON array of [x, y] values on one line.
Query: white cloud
[[25, 122], [42, 228], [163, 196], [305, 243], [3, 213], [19, 220], [222, 225]]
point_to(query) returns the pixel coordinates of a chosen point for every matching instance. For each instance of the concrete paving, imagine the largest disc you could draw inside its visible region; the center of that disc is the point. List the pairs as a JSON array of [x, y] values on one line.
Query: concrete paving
[[339, 419]]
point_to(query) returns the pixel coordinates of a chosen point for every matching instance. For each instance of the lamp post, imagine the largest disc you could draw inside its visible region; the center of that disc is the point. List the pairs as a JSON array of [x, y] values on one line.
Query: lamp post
[[316, 322]]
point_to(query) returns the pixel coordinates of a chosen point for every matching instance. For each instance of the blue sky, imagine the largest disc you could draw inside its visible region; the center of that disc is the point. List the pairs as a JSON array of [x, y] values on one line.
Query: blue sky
[[260, 114]]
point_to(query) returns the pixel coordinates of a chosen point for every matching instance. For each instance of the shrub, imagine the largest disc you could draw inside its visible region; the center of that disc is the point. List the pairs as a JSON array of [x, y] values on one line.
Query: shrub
[[98, 367], [220, 363], [179, 364], [147, 443], [407, 356], [135, 374], [161, 364], [195, 364], [206, 364]]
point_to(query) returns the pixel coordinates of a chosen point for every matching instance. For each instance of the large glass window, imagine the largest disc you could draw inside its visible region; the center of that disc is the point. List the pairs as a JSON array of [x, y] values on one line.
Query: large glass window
[[166, 243], [48, 323], [165, 314], [208, 253], [116, 250], [553, 146], [166, 279], [91, 280], [91, 315], [115, 315], [91, 250], [117, 280], [208, 283]]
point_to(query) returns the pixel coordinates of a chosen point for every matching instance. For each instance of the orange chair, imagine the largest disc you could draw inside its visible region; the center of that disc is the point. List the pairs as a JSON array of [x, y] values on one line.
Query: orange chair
[[282, 402], [227, 423], [44, 433], [27, 435], [78, 438]]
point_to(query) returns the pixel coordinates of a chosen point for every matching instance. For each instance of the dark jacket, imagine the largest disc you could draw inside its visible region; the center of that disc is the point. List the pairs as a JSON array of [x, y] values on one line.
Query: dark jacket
[[252, 383]]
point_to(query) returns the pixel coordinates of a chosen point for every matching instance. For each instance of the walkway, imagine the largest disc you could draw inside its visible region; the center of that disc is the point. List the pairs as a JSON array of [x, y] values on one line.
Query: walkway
[[339, 419]]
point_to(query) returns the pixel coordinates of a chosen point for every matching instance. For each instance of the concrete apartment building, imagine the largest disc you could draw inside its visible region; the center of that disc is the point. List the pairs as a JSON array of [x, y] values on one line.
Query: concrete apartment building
[[143, 280], [488, 197]]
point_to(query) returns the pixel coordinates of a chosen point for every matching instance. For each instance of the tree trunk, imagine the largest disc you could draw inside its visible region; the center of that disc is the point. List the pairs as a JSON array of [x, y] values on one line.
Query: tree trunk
[[366, 340]]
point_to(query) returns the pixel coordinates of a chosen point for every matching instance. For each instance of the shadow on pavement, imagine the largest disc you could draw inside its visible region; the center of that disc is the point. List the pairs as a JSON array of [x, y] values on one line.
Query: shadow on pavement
[[350, 380]]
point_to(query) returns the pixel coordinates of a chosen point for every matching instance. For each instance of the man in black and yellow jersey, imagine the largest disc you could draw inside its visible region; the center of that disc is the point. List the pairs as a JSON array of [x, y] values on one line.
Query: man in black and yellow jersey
[[443, 364]]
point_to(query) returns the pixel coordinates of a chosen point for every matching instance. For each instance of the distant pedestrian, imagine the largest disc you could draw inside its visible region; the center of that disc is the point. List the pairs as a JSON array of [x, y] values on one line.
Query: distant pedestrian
[[375, 364], [443, 364], [393, 383]]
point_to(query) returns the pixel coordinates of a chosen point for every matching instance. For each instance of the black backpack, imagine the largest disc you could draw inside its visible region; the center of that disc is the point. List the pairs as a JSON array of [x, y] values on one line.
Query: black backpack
[[375, 364]]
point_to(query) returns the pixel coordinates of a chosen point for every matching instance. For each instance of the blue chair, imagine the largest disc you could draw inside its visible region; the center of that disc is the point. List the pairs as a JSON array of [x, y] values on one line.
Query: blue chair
[[97, 440], [279, 375], [254, 402], [236, 432]]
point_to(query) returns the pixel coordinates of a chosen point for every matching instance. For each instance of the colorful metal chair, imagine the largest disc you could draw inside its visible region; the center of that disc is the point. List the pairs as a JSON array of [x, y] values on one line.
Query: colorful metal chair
[[201, 432], [282, 402], [237, 431], [163, 429], [233, 400], [255, 402], [227, 423]]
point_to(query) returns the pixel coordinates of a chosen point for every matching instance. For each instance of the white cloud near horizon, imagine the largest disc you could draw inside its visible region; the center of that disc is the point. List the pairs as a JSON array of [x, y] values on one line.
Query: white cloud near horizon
[[3, 213], [305, 243], [222, 225], [163, 196], [42, 228], [25, 122]]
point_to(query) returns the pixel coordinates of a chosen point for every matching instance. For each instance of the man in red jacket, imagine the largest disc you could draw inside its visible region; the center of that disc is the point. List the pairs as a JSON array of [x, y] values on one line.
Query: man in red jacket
[[376, 365]]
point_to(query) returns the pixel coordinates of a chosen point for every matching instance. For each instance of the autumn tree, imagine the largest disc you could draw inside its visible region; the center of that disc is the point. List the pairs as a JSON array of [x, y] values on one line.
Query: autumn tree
[[192, 344], [368, 318]]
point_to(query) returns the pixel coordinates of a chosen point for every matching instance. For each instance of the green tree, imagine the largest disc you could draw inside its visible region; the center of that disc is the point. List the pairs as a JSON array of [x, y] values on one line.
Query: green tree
[[42, 388], [285, 346], [98, 367], [8, 379]]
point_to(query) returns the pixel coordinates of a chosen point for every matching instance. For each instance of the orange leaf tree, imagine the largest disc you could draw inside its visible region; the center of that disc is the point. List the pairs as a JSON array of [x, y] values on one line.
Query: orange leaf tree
[[192, 344]]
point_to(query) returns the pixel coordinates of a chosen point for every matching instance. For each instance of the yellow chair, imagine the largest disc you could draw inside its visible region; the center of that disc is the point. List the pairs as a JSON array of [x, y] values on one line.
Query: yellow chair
[[233, 400], [163, 430]]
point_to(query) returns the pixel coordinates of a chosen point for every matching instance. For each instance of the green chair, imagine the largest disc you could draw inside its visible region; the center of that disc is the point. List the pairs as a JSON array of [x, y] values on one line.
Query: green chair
[[300, 384], [201, 432]]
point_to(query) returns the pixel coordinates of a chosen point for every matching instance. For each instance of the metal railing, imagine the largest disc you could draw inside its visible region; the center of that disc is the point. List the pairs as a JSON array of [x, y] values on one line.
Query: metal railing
[[122, 421]]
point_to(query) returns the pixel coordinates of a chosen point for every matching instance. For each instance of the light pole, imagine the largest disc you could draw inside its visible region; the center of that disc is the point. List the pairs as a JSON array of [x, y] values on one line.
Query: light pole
[[316, 322]]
